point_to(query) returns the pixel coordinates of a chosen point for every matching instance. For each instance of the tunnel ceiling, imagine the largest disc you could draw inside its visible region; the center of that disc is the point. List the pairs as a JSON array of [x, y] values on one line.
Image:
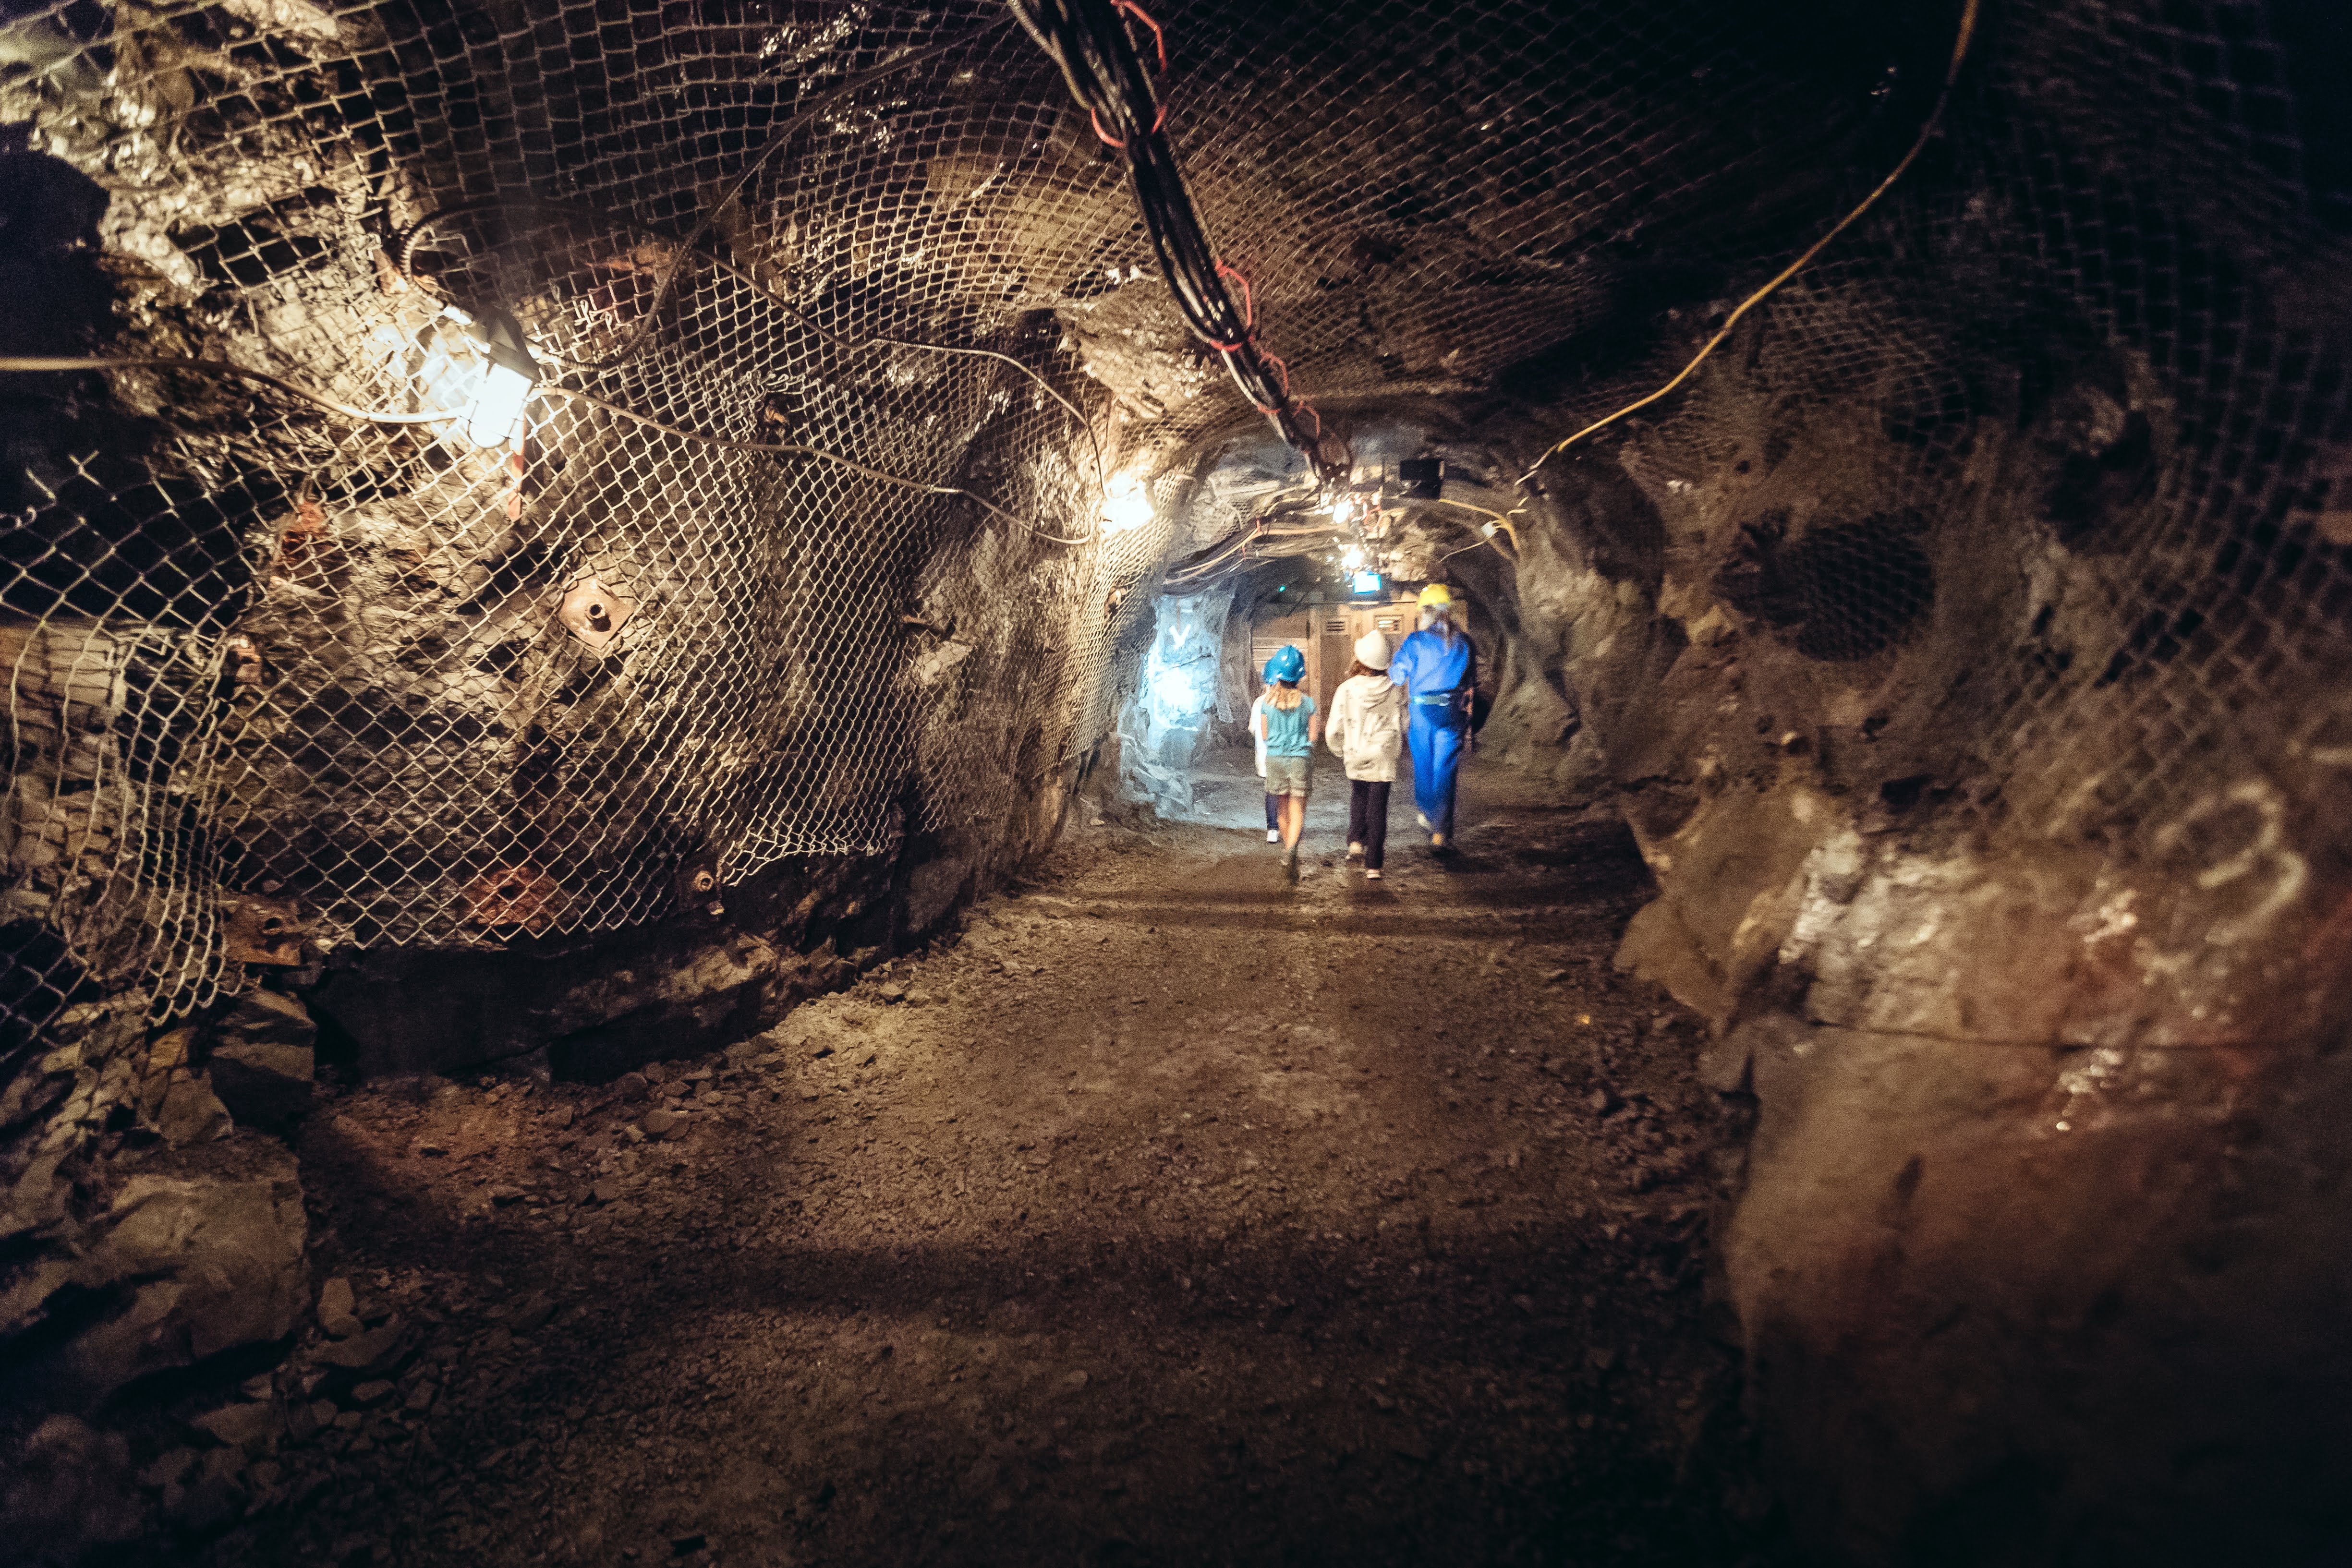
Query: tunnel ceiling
[[845, 321]]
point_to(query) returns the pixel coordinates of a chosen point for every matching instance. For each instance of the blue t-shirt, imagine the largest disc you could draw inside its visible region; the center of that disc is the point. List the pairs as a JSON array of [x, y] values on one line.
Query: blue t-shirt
[[1286, 732]]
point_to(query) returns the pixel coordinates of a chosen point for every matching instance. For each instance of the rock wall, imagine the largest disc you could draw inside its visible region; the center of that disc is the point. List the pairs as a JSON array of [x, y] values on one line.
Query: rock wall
[[156, 1264], [356, 745], [152, 1221], [1182, 701], [2034, 1257]]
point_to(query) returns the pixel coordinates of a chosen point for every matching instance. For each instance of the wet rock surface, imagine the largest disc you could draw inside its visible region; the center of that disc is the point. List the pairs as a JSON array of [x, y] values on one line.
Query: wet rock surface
[[1190, 1216]]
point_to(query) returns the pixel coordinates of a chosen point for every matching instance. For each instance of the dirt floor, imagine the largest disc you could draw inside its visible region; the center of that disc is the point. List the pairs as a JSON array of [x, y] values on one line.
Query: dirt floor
[[1166, 1214]]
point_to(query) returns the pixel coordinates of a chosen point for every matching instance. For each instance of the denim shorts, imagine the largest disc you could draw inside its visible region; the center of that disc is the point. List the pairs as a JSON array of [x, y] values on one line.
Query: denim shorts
[[1288, 774]]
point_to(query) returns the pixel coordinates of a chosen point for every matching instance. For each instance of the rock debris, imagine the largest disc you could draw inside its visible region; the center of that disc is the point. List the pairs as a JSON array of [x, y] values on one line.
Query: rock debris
[[1340, 1247]]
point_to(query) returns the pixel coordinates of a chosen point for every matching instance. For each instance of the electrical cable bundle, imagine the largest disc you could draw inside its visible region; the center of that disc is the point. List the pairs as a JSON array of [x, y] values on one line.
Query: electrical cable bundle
[[1089, 40], [1235, 552]]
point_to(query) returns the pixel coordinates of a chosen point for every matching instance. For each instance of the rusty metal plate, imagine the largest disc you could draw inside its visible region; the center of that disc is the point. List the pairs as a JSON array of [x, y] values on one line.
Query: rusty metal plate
[[697, 884], [264, 930], [243, 660], [510, 898], [594, 613]]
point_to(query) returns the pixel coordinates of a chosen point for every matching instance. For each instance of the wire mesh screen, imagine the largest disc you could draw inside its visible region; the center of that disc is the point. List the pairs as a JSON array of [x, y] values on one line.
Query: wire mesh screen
[[844, 319], [428, 684]]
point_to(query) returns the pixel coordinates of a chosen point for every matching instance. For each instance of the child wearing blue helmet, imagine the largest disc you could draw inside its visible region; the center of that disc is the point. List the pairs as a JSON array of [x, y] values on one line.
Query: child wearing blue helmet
[[1288, 722], [1258, 743]]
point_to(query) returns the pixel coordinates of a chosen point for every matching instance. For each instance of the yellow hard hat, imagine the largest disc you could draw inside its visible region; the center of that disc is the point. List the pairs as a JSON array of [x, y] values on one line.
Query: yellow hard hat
[[1436, 597]]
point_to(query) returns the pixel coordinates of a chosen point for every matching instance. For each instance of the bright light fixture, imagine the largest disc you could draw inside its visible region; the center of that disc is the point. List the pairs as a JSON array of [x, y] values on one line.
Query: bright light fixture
[[498, 407], [1125, 508], [1355, 556], [497, 416]]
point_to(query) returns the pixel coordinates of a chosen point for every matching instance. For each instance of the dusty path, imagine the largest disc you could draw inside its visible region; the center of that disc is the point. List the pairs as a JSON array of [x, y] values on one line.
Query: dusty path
[[1174, 1216]]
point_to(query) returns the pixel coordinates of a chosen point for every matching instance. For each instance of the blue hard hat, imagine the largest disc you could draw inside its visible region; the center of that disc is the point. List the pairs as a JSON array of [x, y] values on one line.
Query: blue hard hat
[[1288, 665]]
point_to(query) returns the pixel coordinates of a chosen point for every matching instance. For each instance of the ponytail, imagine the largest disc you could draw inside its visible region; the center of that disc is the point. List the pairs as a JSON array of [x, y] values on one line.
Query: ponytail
[[1286, 696]]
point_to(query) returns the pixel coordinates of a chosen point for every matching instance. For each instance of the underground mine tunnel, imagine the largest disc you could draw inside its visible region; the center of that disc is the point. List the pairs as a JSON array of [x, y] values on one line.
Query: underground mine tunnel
[[638, 921]]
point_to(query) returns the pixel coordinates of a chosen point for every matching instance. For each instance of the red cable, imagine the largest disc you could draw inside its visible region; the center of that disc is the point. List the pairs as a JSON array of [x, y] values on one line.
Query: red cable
[[1290, 402], [1140, 14], [1110, 140], [1249, 301], [1278, 362]]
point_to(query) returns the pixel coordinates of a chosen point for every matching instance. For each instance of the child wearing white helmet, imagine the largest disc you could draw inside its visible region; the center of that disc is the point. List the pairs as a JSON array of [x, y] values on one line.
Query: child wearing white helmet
[[1366, 729]]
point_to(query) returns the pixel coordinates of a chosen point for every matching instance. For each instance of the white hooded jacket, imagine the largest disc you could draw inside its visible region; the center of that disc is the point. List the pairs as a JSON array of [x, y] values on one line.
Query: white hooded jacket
[[1366, 729]]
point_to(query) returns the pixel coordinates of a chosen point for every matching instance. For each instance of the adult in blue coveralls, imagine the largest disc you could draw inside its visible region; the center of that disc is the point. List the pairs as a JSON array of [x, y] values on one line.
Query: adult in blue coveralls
[[1439, 670]]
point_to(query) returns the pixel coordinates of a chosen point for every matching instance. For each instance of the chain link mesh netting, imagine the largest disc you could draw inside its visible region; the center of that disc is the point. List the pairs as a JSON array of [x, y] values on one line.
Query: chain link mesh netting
[[450, 692]]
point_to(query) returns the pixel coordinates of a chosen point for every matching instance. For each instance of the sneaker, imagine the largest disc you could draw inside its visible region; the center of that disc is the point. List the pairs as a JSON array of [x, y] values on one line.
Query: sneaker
[[1422, 819], [1355, 852], [1274, 835], [1372, 876]]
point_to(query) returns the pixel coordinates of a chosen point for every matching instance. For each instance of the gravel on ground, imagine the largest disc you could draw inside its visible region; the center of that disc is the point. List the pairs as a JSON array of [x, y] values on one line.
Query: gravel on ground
[[1164, 1213]]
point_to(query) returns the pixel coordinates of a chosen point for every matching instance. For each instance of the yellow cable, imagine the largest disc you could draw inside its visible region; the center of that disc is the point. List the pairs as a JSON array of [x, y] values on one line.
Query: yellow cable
[[1478, 543], [1935, 118], [1503, 519]]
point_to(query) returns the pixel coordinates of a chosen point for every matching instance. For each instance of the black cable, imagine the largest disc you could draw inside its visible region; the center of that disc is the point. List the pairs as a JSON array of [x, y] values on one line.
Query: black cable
[[1088, 39], [1231, 554]]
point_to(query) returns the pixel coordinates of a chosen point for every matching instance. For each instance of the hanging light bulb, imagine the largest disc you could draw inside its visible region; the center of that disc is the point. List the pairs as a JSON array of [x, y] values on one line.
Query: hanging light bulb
[[498, 409], [1355, 556]]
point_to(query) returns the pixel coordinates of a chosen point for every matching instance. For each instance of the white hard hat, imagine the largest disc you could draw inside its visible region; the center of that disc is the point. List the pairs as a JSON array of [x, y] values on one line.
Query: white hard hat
[[1372, 650]]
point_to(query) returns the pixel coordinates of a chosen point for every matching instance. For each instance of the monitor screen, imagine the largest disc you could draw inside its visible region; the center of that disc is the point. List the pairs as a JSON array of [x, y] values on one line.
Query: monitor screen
[[1364, 584]]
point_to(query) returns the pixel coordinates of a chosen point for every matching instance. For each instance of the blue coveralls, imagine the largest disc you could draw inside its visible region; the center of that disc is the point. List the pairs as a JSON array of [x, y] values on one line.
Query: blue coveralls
[[1439, 671]]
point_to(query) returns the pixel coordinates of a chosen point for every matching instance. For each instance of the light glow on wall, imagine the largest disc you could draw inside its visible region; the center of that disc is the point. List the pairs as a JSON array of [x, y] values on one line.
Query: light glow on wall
[[498, 407], [1174, 694], [486, 371], [1126, 506]]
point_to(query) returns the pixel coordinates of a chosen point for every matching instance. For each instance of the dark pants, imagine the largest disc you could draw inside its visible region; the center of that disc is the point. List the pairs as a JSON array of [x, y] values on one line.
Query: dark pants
[[1274, 813], [1368, 819]]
